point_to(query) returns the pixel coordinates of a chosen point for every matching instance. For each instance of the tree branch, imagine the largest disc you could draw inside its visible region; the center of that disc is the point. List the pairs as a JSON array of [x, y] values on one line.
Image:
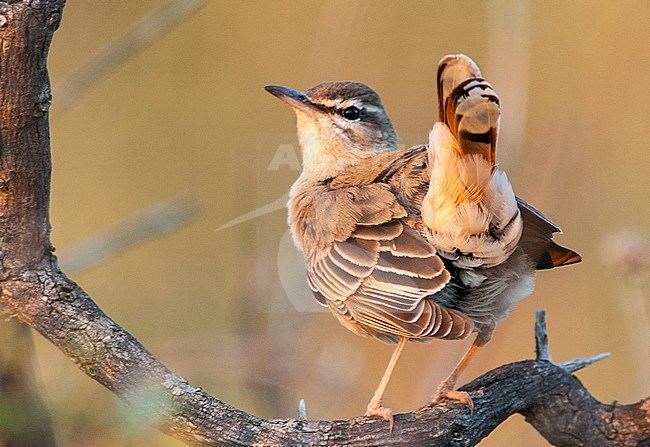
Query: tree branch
[[551, 399]]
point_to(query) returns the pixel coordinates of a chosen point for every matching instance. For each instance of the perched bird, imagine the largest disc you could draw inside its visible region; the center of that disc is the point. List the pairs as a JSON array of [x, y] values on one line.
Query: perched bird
[[415, 244]]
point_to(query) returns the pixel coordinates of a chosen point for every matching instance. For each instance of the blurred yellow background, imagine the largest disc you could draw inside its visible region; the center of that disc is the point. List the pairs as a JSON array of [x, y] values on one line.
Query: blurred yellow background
[[187, 116]]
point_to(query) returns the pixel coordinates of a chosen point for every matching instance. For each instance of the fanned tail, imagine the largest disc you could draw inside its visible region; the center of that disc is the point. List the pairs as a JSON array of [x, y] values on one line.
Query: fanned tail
[[470, 208], [468, 105]]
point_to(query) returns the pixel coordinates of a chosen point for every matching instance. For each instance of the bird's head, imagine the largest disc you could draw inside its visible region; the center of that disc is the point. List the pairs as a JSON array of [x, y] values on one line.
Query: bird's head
[[338, 124]]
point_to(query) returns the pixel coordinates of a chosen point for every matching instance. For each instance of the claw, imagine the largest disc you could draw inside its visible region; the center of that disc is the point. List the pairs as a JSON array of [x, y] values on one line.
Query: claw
[[375, 408], [460, 396], [445, 392]]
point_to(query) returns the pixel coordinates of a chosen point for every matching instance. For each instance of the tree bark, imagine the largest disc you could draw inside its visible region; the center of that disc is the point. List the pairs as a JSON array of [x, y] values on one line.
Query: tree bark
[[40, 295]]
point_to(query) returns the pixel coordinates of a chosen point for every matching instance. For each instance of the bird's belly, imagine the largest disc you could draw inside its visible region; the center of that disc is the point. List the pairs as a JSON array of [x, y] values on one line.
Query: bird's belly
[[518, 289], [500, 288]]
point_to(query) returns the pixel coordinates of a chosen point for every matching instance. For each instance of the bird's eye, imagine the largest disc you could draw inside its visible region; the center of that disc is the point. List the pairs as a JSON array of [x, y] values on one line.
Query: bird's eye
[[351, 113]]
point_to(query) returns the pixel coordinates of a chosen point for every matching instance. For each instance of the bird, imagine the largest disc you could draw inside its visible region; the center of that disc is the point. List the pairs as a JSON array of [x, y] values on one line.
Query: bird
[[428, 242]]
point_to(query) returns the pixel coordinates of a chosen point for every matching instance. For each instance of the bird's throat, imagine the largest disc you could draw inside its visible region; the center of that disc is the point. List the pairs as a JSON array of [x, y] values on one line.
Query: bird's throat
[[321, 158]]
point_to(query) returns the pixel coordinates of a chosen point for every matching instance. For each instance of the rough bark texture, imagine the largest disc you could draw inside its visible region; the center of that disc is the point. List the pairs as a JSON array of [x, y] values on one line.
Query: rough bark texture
[[40, 295]]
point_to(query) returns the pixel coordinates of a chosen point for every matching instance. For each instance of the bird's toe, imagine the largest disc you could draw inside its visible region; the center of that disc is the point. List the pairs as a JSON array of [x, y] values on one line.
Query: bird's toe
[[460, 396], [377, 409]]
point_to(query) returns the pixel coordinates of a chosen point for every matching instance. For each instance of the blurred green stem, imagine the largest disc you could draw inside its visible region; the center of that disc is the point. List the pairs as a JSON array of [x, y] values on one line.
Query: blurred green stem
[[24, 417]]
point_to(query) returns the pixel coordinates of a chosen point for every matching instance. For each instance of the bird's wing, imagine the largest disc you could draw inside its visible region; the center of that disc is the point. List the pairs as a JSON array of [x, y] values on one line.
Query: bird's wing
[[537, 240], [379, 278]]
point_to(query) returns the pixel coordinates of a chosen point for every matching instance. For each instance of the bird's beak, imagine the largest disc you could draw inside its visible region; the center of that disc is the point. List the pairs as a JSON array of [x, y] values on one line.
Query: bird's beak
[[295, 99]]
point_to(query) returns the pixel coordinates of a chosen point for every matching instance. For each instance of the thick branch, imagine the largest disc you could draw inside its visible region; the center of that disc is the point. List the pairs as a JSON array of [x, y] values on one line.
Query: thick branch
[[40, 295], [551, 399]]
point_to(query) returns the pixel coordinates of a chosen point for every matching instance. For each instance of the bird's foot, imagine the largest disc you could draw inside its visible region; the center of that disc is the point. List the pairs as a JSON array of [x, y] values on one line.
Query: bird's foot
[[446, 391], [375, 408]]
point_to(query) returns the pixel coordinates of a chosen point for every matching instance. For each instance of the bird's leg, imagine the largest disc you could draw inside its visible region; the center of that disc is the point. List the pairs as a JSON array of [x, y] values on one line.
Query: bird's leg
[[375, 408], [446, 387]]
